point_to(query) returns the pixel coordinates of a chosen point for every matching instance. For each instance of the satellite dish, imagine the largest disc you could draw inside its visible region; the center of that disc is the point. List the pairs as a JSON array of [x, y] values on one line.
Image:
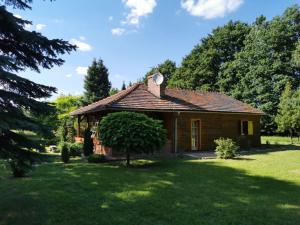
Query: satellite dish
[[158, 78]]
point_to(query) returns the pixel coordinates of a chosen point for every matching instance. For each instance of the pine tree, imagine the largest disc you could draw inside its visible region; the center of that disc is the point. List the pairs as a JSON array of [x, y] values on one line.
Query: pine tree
[[21, 98], [123, 86], [96, 83]]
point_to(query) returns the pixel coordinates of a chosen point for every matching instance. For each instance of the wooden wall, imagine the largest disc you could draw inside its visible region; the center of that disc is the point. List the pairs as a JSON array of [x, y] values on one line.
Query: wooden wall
[[213, 126], [216, 125]]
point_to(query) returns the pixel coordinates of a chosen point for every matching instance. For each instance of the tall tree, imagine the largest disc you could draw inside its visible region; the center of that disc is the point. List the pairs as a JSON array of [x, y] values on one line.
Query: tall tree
[[123, 86], [200, 68], [259, 72], [20, 98], [96, 82], [288, 117], [63, 123], [167, 68]]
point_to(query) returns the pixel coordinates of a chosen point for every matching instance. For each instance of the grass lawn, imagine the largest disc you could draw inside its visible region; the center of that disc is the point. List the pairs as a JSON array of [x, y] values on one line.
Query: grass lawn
[[260, 188], [279, 140]]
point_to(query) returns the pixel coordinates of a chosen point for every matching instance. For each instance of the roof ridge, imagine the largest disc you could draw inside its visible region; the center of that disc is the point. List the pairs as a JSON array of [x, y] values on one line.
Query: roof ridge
[[121, 94], [197, 91], [128, 91]]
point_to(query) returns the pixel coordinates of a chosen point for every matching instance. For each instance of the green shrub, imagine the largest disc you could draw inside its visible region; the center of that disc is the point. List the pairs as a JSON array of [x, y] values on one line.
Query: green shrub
[[19, 167], [226, 148], [88, 145], [131, 132], [96, 158], [75, 149], [65, 155]]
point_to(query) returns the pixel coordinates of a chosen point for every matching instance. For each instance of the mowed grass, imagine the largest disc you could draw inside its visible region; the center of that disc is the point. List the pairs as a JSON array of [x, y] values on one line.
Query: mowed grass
[[279, 140], [259, 188]]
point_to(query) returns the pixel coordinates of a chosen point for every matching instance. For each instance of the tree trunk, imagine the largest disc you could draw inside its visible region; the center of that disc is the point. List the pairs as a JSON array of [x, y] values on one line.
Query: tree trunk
[[128, 159], [291, 133]]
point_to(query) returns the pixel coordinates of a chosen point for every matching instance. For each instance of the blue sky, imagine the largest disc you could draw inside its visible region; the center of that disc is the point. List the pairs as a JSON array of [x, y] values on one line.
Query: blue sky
[[132, 35]]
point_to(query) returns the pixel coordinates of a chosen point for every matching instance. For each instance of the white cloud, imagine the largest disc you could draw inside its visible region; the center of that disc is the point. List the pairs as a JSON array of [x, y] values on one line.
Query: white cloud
[[209, 9], [82, 46], [110, 18], [27, 26], [81, 70], [69, 75], [18, 16], [82, 38], [138, 8], [117, 31], [40, 26]]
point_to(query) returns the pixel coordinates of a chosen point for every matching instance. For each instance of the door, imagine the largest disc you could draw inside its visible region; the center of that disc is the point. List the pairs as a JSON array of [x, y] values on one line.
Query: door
[[195, 134]]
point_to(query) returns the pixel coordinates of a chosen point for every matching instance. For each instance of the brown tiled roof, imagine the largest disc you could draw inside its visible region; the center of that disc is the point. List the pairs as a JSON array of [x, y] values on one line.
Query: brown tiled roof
[[138, 97]]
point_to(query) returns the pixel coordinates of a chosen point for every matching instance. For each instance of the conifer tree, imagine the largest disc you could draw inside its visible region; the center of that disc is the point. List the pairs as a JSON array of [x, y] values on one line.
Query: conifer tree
[[20, 98], [96, 83], [123, 86]]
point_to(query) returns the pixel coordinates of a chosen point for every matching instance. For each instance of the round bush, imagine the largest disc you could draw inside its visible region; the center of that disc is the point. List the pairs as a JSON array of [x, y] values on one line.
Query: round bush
[[226, 148], [131, 132], [75, 149]]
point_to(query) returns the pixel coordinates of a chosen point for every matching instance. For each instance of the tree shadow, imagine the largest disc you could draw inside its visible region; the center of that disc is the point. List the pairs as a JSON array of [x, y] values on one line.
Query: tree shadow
[[173, 192]]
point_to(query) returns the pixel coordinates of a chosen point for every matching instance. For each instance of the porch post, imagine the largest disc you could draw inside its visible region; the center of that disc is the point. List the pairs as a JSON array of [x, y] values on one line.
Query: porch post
[[175, 141], [78, 126]]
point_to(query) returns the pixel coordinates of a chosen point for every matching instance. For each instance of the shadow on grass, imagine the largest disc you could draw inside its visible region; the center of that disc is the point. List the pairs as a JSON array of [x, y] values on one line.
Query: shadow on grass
[[171, 192], [265, 149]]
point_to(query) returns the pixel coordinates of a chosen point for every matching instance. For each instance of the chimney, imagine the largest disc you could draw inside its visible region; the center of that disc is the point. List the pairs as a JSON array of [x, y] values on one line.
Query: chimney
[[155, 84]]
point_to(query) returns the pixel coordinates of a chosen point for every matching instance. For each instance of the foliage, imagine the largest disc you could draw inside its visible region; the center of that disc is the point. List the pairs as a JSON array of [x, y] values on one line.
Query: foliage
[[131, 132], [22, 99], [96, 158], [167, 69], [199, 69], [65, 155], [264, 64], [226, 148], [88, 145], [96, 82], [19, 167], [251, 63], [65, 104], [113, 91], [296, 55], [75, 149], [63, 123], [288, 117]]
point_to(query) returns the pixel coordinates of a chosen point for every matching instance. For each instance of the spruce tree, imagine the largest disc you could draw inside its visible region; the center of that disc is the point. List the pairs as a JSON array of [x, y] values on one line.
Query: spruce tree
[[123, 86], [96, 82], [20, 98]]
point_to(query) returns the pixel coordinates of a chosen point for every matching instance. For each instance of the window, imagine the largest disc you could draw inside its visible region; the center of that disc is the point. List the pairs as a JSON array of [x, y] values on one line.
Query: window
[[246, 127]]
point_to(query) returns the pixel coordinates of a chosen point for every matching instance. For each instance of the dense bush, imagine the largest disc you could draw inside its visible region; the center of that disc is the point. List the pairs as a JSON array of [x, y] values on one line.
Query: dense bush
[[19, 167], [96, 158], [226, 148], [88, 145], [131, 132], [65, 155], [75, 149]]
